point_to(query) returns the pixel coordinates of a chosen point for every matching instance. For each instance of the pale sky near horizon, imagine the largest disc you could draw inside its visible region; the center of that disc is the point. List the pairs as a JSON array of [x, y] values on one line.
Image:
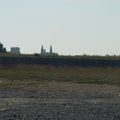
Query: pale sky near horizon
[[72, 27]]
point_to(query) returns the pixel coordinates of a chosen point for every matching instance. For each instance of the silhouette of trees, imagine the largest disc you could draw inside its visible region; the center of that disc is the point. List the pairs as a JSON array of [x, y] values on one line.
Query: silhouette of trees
[[2, 49]]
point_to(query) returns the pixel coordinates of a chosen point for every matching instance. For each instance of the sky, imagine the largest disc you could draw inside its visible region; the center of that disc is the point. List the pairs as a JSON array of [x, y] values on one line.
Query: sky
[[72, 27]]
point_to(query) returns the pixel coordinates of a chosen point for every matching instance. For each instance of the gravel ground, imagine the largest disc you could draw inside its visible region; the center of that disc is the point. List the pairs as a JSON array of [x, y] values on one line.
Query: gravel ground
[[61, 101]]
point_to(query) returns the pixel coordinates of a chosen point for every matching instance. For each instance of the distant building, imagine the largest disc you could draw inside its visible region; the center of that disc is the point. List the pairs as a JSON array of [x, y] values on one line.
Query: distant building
[[51, 50], [42, 50], [15, 50], [50, 53]]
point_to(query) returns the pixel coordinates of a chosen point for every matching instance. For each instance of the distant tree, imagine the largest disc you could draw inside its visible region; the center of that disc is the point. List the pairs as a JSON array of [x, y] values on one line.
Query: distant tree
[[36, 54], [2, 50], [1, 47]]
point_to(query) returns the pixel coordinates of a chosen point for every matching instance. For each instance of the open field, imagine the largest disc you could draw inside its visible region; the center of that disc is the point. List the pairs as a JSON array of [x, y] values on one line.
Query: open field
[[60, 101], [59, 93], [46, 73]]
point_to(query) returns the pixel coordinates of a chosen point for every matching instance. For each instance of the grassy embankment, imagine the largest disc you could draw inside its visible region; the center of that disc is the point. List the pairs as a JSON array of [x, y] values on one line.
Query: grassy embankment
[[33, 74]]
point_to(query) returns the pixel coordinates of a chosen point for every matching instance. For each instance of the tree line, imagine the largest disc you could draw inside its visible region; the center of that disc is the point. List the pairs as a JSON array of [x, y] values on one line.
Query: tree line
[[15, 60]]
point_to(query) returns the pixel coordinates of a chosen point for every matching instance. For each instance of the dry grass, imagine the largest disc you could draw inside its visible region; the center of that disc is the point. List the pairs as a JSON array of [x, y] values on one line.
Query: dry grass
[[35, 74]]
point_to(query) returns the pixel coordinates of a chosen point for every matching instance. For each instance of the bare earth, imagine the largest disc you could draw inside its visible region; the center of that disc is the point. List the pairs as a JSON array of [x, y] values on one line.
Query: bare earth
[[60, 101]]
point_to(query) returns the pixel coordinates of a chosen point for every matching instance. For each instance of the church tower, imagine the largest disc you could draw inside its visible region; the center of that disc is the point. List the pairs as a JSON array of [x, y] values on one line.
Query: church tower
[[42, 49], [51, 50]]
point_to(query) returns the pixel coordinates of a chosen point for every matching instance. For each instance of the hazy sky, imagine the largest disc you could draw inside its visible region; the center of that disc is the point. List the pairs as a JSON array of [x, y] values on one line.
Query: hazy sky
[[70, 26]]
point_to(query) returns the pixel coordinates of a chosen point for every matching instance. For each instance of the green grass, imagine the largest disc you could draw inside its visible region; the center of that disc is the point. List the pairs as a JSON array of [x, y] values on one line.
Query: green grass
[[34, 73]]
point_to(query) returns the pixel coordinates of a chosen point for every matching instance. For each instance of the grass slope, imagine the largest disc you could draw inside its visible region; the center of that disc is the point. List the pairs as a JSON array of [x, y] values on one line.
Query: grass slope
[[37, 74]]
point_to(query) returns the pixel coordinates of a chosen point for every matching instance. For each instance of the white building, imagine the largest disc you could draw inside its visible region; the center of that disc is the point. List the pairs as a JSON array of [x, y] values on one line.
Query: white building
[[15, 50]]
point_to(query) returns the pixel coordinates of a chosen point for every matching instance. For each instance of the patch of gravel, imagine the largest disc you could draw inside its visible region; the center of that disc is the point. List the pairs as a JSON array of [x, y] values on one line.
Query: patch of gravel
[[61, 101]]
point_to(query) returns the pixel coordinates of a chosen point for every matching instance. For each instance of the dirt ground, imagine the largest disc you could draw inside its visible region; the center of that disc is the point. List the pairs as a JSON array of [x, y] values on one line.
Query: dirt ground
[[60, 101]]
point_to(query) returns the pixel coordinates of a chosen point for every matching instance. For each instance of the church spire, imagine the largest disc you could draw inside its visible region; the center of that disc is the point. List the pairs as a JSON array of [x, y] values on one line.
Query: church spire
[[42, 49], [51, 50]]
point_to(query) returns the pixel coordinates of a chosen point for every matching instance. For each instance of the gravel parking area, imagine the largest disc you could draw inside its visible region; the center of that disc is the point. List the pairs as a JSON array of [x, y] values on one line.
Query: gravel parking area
[[61, 101]]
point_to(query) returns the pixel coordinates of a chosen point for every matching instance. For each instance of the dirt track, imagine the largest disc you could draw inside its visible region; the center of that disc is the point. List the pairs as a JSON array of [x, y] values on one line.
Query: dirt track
[[60, 101]]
